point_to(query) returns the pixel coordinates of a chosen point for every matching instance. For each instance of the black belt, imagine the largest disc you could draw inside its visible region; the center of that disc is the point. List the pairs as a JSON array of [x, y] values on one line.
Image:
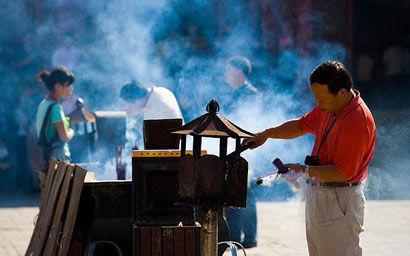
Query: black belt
[[333, 184]]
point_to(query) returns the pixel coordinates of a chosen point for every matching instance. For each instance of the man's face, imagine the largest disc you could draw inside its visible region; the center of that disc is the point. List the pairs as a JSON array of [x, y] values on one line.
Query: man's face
[[324, 100], [234, 76]]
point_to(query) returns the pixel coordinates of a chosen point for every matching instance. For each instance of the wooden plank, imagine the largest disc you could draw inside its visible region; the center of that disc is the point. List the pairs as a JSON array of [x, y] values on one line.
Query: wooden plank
[[156, 241], [74, 197], [197, 231], [167, 242], [56, 224], [51, 171], [190, 245], [145, 241], [53, 164], [179, 241], [211, 173], [44, 219]]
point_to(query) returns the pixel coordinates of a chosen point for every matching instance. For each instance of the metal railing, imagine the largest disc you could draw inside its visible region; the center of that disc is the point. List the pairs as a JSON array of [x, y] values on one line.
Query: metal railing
[[234, 247]]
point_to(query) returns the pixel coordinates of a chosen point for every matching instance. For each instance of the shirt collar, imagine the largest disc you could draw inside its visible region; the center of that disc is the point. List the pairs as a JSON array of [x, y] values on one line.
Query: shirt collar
[[355, 102]]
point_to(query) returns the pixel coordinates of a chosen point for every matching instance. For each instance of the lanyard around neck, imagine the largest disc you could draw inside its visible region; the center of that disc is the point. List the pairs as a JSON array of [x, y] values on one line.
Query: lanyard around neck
[[327, 133]]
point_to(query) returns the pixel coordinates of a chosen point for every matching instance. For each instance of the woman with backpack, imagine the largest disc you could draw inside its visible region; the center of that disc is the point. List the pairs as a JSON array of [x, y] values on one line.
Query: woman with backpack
[[51, 124]]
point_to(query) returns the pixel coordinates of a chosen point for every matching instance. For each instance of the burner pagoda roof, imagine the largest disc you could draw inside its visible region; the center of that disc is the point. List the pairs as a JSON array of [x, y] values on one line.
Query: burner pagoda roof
[[212, 124]]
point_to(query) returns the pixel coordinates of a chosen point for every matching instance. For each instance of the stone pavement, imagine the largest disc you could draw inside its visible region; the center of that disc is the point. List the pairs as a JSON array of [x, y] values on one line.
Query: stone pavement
[[17, 215], [281, 227]]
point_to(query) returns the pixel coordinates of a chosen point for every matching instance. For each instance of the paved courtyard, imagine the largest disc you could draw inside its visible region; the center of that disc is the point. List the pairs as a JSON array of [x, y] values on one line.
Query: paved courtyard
[[281, 227]]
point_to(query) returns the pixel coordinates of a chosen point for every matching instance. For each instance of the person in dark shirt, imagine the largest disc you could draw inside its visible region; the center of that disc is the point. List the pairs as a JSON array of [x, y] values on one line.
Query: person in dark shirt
[[238, 69], [241, 221]]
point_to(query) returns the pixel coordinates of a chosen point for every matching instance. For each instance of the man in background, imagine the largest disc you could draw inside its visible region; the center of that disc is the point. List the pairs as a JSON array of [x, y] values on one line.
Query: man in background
[[147, 103], [237, 72], [242, 222], [153, 102]]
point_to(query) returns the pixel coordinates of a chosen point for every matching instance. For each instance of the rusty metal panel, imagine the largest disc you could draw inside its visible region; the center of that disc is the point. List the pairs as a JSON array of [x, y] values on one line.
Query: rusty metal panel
[[201, 180], [157, 133], [104, 213], [187, 179], [211, 170], [237, 182], [156, 192]]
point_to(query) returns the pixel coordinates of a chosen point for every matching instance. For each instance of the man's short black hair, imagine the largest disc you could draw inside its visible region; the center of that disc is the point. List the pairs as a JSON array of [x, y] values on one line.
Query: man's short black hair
[[333, 74], [131, 92], [242, 63]]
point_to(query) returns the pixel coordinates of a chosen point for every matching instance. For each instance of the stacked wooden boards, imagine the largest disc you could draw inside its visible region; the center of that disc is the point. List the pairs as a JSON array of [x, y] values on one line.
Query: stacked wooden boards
[[58, 210]]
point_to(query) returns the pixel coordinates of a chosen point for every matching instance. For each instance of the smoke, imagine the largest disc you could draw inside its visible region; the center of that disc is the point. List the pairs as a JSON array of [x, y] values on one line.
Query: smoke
[[388, 172], [184, 47]]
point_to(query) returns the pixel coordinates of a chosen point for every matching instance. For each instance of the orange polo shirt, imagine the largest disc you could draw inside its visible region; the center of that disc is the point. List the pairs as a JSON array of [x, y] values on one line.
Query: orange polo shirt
[[350, 143]]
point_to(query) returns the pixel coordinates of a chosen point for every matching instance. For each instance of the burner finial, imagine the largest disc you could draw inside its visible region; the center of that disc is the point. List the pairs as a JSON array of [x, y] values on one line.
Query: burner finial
[[212, 107]]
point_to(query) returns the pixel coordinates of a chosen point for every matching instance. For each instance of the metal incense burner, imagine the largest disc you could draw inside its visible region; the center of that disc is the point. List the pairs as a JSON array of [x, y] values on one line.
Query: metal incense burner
[[210, 182]]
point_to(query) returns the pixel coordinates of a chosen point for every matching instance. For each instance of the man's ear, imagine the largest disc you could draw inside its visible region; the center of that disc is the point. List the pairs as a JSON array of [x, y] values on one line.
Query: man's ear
[[342, 92], [242, 74]]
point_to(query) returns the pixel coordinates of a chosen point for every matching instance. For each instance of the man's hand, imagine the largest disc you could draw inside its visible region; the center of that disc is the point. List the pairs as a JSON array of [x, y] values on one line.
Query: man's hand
[[296, 167], [259, 139]]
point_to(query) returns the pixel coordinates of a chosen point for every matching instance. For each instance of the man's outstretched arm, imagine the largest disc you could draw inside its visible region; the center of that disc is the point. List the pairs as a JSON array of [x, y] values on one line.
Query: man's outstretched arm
[[288, 130]]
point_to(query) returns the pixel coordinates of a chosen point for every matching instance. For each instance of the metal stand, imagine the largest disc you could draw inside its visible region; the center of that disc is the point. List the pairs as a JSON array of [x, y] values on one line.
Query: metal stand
[[210, 182], [209, 234]]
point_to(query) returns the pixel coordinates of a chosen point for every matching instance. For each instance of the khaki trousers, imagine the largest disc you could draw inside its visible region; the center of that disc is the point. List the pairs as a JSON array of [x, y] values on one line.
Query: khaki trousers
[[334, 220]]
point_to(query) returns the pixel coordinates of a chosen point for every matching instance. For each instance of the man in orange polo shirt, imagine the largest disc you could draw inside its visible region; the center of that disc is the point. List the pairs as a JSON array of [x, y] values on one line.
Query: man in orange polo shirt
[[338, 166]]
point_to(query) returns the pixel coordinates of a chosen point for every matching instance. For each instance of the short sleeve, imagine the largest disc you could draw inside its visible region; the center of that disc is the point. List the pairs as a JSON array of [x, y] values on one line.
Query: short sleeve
[[351, 147], [162, 104], [309, 121], [57, 114]]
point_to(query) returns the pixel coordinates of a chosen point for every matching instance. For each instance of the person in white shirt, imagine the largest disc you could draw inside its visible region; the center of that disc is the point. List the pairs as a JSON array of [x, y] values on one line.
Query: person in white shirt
[[153, 102]]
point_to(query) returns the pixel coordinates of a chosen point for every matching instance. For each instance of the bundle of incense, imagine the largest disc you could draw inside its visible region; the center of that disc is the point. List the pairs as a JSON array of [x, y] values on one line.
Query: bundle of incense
[[271, 177], [267, 179]]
